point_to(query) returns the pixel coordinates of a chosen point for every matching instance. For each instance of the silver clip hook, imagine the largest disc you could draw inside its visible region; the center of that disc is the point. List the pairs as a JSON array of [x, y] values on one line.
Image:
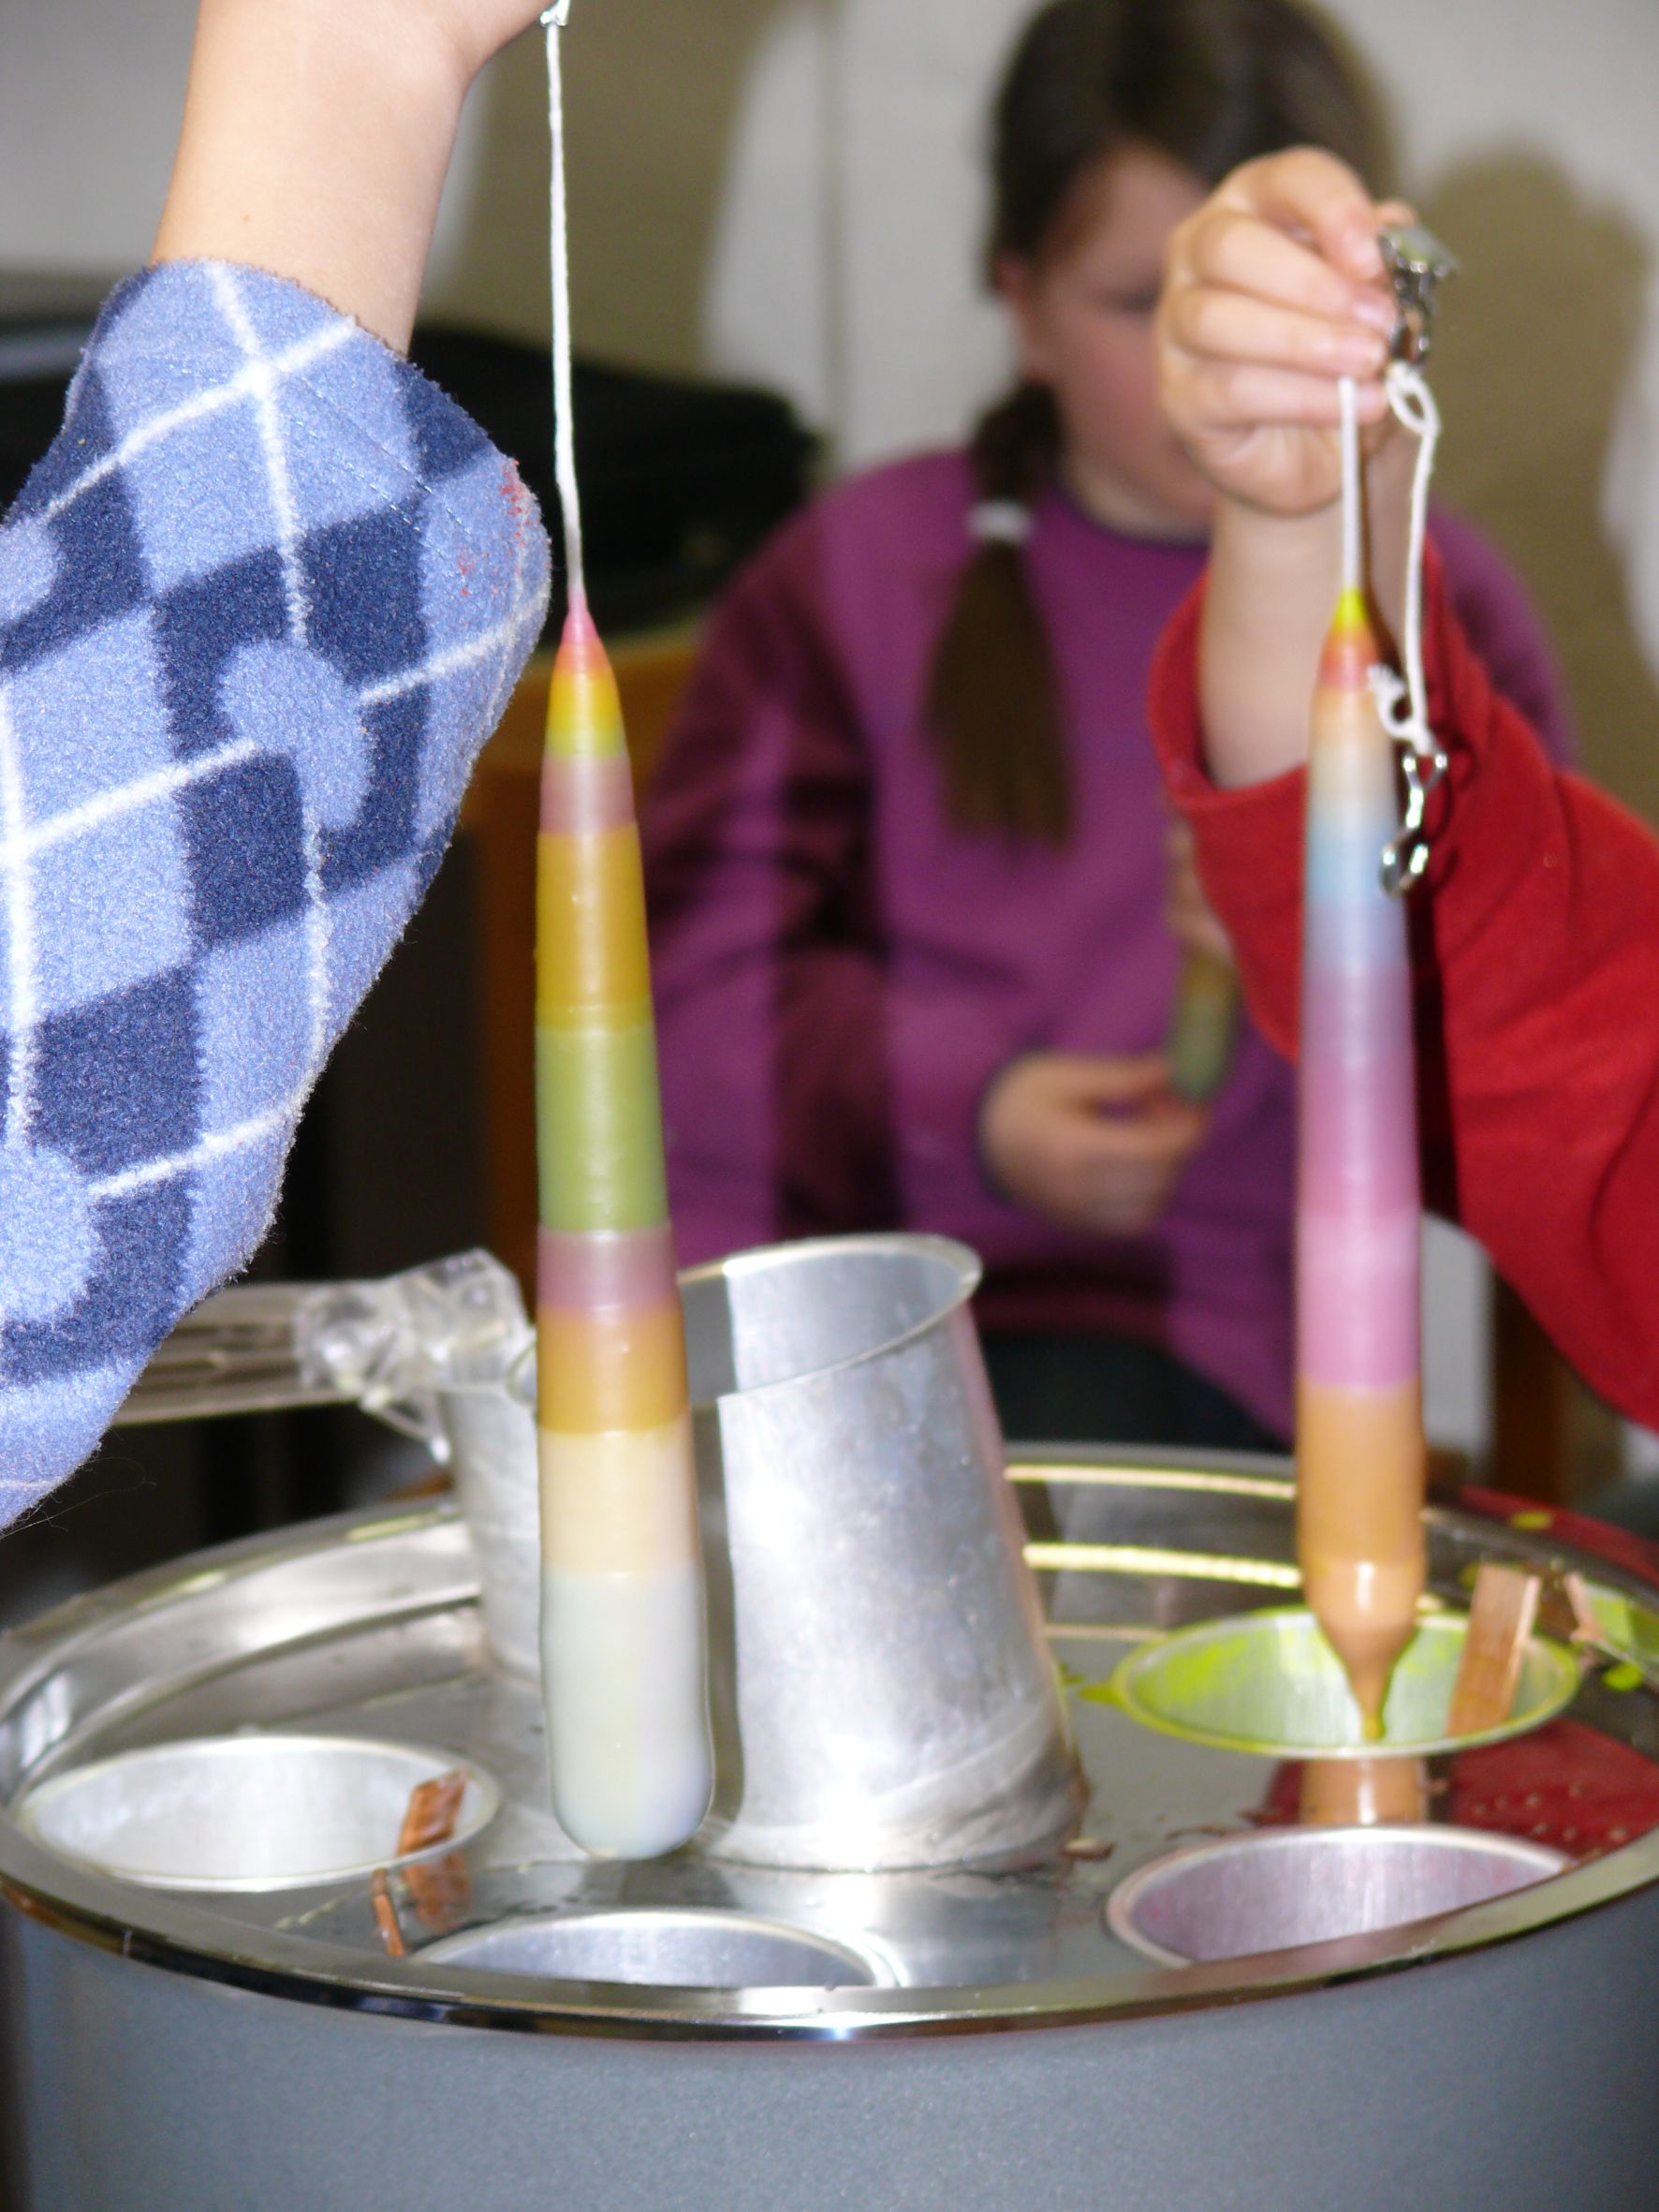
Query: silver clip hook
[[1418, 264], [1405, 862]]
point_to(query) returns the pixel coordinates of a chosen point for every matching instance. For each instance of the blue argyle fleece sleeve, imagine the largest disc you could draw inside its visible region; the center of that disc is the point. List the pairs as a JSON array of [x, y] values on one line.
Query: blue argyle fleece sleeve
[[261, 604]]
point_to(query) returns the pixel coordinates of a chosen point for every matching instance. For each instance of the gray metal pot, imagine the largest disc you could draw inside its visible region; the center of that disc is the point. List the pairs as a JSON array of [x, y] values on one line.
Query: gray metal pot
[[971, 2039]]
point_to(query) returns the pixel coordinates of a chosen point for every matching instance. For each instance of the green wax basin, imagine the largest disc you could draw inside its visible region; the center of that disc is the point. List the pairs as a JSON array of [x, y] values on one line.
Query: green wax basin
[[1269, 1682]]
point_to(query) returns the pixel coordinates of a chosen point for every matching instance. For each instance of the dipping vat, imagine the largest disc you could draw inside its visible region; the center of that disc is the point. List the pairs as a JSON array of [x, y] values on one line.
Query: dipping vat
[[979, 2036]]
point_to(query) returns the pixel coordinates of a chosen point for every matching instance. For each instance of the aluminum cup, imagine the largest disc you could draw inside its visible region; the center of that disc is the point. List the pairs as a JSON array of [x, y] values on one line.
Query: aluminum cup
[[882, 1691], [1281, 1888]]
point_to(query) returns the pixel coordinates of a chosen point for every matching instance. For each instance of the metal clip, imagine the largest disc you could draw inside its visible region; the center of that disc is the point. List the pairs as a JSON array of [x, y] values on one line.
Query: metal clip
[[1406, 859], [1418, 264]]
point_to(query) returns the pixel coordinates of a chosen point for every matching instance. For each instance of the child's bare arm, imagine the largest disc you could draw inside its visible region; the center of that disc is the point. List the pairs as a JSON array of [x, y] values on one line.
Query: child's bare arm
[[316, 138]]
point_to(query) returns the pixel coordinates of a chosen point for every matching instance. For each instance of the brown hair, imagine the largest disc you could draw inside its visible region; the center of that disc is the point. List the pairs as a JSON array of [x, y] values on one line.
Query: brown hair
[[1211, 83]]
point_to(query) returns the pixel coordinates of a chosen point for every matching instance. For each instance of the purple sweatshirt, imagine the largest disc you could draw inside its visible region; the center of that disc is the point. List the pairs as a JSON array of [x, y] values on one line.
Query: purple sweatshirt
[[839, 972]]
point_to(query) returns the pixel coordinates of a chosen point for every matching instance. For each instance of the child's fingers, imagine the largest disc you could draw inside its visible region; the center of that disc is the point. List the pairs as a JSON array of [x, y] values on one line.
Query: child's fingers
[[1159, 1139], [1310, 193], [1098, 1080], [1208, 397], [1231, 248], [1232, 326]]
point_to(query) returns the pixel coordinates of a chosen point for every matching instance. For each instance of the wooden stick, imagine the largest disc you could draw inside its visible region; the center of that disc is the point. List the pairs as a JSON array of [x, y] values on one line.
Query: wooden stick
[[386, 1913], [1500, 1619], [440, 1890], [1565, 1610], [434, 1807]]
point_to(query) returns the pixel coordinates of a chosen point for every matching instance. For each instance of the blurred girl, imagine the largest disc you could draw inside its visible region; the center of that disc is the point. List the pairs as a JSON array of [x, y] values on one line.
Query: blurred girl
[[907, 849]]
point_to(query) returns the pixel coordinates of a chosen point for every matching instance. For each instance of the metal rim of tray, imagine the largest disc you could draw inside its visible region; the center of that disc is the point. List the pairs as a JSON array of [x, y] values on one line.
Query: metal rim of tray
[[184, 1939]]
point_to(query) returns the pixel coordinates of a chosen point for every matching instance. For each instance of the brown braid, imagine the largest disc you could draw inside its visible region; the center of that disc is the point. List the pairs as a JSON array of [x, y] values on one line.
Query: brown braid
[[993, 701]]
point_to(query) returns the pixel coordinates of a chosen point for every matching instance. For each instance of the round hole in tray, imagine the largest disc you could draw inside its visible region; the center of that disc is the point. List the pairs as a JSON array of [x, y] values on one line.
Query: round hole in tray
[[672, 1947], [245, 1812], [1269, 1682], [1278, 1888]]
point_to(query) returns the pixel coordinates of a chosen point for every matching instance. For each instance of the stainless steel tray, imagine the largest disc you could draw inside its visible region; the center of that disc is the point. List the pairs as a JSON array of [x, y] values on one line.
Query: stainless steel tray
[[368, 1627]]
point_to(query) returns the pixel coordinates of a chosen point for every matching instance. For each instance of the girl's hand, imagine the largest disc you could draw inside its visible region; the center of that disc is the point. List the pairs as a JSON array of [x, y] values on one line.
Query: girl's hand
[[1274, 290], [1095, 1141]]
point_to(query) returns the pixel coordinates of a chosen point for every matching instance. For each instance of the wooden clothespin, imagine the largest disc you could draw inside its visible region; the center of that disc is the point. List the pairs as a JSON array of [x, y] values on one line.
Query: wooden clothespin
[[386, 1915], [439, 1889], [433, 1809], [1565, 1611], [1500, 1617]]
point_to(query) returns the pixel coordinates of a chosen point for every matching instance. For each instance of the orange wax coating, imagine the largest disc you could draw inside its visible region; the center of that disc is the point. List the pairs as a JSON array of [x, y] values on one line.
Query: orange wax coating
[[1361, 1468], [1362, 1792], [591, 947], [617, 1367]]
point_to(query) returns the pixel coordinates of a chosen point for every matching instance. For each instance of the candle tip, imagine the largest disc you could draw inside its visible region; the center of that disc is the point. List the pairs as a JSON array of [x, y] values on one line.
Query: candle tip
[[1350, 646], [1350, 612], [580, 638]]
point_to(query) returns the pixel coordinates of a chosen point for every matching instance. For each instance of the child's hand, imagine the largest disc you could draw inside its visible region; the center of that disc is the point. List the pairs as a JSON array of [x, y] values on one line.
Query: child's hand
[[1274, 290], [1095, 1141]]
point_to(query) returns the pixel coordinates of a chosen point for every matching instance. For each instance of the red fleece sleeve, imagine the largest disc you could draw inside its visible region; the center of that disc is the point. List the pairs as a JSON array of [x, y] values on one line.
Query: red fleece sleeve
[[1537, 949]]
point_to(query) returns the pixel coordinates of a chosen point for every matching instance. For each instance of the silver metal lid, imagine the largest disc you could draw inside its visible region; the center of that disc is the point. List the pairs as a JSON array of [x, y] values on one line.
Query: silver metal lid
[[367, 1629]]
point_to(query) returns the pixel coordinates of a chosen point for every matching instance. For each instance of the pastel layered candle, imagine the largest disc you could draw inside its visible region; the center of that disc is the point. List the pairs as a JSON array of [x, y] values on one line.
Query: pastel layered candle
[[623, 1658], [1361, 1455]]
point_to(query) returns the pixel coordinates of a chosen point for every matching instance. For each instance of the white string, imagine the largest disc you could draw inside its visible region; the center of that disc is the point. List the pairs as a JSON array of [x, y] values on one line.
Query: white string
[[1404, 706], [1353, 512], [564, 419]]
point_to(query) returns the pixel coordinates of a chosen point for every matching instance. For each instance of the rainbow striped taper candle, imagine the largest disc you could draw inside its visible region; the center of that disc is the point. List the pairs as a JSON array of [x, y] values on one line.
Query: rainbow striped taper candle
[[1361, 1456], [621, 1635]]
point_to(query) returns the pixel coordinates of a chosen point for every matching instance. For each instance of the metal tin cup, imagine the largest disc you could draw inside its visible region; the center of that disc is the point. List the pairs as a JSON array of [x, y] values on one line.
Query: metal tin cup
[[259, 1811], [1269, 1682], [882, 1691], [1281, 1888], [663, 1947]]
